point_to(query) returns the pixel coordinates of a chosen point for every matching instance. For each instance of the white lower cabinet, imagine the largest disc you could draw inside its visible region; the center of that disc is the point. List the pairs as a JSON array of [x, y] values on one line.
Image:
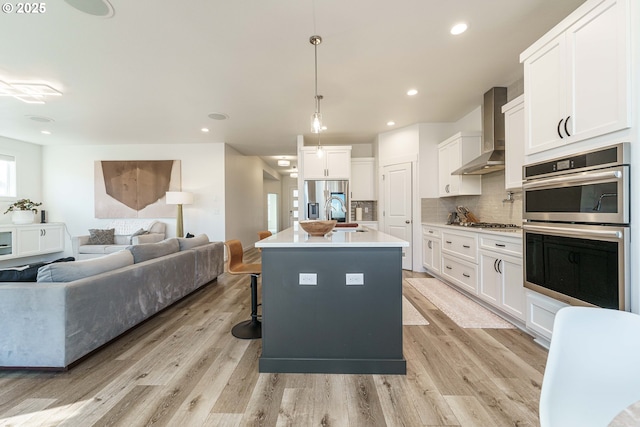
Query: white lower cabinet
[[32, 239], [460, 272], [541, 313], [431, 249], [501, 283]]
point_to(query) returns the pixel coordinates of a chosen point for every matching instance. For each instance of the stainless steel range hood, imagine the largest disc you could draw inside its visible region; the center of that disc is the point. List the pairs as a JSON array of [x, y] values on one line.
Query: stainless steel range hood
[[492, 158]]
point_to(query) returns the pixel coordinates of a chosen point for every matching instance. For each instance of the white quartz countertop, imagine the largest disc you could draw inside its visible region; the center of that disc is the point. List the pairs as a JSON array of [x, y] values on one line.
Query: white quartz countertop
[[506, 232], [296, 237]]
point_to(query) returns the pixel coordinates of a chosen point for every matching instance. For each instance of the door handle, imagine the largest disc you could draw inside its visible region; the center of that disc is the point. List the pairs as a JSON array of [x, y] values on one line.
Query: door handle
[[500, 245], [566, 131], [466, 246], [558, 129], [448, 242], [429, 244], [407, 222], [448, 267], [495, 265], [465, 275], [499, 266]]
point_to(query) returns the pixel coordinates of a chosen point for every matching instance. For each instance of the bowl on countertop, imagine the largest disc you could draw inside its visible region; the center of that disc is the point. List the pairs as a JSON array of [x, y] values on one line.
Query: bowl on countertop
[[318, 227]]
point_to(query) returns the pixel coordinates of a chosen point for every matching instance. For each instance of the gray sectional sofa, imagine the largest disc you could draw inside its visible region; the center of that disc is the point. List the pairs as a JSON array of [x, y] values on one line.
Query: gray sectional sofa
[[76, 307]]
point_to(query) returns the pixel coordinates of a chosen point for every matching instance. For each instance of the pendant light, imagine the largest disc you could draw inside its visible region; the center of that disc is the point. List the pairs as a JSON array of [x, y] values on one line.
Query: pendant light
[[316, 117]]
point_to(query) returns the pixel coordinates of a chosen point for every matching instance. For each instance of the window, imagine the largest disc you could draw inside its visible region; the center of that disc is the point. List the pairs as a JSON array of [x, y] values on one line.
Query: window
[[7, 176]]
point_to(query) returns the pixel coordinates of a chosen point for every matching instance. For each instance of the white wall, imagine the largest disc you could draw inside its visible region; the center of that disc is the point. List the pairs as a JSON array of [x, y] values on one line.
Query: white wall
[[28, 173], [68, 184], [244, 200], [470, 122]]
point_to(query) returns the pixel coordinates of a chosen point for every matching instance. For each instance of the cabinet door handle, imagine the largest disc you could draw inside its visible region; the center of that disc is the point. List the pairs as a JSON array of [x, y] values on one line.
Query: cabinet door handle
[[431, 231], [558, 128], [446, 188], [466, 246], [500, 245], [499, 264], [566, 122], [448, 267], [448, 242], [429, 244], [495, 265], [465, 275]]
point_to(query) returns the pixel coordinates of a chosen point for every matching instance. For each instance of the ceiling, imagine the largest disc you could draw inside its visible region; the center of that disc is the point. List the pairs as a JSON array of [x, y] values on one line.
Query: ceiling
[[152, 72]]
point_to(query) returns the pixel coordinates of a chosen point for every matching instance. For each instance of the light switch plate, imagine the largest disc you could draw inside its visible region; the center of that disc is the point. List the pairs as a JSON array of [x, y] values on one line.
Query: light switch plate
[[355, 278], [308, 279]]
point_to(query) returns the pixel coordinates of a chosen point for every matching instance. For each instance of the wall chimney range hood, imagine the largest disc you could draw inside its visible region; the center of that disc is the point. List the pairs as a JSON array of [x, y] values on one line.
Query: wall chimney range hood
[[492, 158]]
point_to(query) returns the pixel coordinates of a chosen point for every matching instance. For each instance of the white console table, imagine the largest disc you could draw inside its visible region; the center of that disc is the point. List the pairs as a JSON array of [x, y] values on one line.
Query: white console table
[[18, 241]]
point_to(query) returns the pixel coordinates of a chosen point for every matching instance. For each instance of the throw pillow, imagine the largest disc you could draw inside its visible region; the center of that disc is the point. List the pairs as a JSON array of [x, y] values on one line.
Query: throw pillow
[[192, 242], [149, 251], [26, 273], [137, 233], [101, 237]]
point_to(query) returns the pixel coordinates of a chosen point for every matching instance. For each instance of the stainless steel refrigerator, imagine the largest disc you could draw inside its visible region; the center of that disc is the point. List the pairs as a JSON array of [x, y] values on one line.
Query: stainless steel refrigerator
[[322, 197]]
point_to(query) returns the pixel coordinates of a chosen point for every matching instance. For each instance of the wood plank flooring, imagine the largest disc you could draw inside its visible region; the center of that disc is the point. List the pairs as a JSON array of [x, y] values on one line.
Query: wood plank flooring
[[184, 368]]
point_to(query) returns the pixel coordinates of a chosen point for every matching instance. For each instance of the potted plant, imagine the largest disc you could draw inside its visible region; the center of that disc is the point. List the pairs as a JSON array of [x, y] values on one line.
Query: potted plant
[[22, 211]]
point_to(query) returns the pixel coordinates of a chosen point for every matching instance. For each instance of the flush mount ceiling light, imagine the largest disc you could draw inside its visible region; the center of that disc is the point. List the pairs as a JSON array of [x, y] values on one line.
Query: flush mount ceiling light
[[284, 163], [391, 123], [204, 130], [412, 92], [93, 7], [41, 119], [293, 174], [31, 93], [459, 28], [45, 132], [218, 116]]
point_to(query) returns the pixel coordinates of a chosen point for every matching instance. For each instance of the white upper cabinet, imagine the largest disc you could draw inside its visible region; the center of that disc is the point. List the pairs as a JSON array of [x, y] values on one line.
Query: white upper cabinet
[[334, 164], [577, 77], [454, 152], [514, 143], [363, 179]]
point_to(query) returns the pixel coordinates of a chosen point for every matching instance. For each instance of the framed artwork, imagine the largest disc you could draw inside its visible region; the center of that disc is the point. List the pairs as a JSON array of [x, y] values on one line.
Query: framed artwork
[[135, 188]]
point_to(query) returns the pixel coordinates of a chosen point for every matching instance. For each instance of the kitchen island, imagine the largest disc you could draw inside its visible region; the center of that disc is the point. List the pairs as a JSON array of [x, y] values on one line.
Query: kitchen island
[[332, 304]]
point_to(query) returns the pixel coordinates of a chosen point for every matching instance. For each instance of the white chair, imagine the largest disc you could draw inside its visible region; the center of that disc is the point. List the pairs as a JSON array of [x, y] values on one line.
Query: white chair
[[593, 367]]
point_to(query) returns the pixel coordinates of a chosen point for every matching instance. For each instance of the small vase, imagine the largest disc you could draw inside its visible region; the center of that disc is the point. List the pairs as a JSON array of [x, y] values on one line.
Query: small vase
[[22, 217]]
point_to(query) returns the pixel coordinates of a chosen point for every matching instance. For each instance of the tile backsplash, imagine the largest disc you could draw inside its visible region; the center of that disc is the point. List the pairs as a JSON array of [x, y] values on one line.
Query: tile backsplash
[[369, 210], [489, 207]]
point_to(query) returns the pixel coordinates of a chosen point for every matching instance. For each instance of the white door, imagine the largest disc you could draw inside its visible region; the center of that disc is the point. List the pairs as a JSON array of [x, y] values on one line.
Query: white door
[[397, 207]]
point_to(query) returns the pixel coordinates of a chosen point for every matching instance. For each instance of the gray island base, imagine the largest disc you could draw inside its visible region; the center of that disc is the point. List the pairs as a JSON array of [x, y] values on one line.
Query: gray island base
[[332, 326]]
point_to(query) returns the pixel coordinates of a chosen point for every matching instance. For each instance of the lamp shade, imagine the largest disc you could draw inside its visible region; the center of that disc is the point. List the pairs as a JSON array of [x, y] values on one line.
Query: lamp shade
[[179, 198]]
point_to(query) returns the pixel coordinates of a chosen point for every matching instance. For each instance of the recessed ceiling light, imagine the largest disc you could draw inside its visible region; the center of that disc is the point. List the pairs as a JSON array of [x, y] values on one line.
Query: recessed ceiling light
[[459, 28], [41, 119], [218, 116], [205, 130], [293, 174], [412, 92], [391, 123], [284, 163], [46, 132]]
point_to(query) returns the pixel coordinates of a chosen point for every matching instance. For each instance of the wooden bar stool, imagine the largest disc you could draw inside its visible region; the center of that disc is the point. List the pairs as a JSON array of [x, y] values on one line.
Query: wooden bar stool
[[252, 328]]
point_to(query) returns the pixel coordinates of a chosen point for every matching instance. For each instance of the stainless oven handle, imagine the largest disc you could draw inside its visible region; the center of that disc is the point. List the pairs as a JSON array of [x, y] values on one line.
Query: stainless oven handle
[[584, 177], [574, 231]]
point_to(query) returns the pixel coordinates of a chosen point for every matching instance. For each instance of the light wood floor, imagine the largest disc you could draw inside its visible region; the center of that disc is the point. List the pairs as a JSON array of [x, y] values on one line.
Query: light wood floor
[[183, 368]]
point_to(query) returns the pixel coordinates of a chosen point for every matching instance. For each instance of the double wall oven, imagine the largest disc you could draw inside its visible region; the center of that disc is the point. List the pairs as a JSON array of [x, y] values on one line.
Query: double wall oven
[[576, 230]]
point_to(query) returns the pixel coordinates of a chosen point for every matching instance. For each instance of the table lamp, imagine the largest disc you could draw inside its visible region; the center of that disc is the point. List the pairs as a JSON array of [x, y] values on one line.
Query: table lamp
[[179, 198]]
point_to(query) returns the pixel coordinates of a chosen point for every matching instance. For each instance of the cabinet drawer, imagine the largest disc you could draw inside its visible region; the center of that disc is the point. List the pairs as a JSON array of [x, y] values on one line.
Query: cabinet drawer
[[541, 313], [464, 246], [430, 231], [504, 246], [461, 273]]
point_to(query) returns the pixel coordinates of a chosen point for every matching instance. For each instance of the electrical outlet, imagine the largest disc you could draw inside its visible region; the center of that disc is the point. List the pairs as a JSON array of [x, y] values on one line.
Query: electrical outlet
[[355, 278], [308, 279], [366, 209]]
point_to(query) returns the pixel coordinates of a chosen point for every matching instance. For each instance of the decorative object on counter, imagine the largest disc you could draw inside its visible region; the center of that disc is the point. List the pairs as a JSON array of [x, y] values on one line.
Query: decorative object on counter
[[462, 310], [23, 211], [466, 215], [318, 227]]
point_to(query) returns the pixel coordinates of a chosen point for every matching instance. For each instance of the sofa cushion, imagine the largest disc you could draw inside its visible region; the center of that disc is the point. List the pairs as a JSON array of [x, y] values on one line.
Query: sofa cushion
[[26, 273], [70, 271], [101, 237], [192, 242], [149, 251]]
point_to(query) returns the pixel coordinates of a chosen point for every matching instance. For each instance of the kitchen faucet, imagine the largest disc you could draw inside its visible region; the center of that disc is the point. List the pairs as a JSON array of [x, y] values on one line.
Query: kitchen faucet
[[329, 205]]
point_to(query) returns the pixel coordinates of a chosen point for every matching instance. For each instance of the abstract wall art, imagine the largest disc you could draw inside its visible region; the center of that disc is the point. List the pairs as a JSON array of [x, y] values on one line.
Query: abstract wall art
[[135, 188]]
